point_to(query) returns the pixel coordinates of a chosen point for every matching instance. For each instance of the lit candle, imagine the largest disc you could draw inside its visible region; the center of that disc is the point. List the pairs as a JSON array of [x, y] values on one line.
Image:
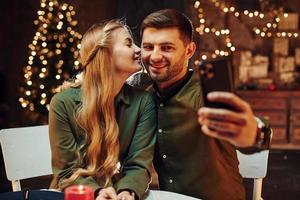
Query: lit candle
[[79, 192]]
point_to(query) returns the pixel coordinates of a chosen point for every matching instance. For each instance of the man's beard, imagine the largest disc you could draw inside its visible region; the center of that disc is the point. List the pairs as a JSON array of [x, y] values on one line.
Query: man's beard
[[171, 71]]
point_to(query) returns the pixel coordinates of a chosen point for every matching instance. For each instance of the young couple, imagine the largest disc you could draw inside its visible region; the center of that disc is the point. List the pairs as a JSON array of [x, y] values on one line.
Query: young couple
[[105, 133]]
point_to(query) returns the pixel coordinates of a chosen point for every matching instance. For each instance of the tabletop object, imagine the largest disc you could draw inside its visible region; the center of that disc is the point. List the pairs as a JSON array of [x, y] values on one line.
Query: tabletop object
[[79, 192]]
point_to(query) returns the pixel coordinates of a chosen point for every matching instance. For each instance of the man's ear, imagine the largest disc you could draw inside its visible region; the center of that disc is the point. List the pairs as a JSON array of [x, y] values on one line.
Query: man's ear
[[190, 49]]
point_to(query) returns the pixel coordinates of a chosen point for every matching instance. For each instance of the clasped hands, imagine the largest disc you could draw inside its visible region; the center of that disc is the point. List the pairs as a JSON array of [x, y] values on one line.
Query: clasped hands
[[237, 126], [109, 193]]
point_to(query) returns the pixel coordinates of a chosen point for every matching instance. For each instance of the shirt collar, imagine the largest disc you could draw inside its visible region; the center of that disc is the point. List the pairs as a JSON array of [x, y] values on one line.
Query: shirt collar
[[123, 95], [174, 88]]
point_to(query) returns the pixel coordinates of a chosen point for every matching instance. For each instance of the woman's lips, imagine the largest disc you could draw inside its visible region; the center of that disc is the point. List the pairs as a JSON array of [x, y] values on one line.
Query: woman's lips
[[139, 60]]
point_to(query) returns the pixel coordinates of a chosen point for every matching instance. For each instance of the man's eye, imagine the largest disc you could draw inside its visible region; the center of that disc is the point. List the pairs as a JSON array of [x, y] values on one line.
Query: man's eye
[[147, 47], [166, 48]]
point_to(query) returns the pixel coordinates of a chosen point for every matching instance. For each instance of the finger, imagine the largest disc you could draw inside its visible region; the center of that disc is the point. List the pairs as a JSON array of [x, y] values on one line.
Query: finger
[[103, 196], [124, 197], [221, 115], [99, 197], [132, 194], [228, 98], [108, 193], [102, 193], [223, 136], [112, 193], [200, 119], [223, 127]]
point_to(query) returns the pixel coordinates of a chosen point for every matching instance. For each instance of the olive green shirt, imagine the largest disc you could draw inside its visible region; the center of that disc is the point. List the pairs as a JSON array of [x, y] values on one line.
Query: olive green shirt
[[188, 161], [136, 117]]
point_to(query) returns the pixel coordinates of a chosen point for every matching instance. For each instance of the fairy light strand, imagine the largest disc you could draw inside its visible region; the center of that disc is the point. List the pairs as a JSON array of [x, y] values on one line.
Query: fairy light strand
[[231, 9], [203, 28], [269, 30], [48, 64]]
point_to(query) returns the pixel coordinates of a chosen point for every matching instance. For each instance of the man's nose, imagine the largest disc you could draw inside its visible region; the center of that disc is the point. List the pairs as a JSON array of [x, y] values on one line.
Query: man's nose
[[156, 54]]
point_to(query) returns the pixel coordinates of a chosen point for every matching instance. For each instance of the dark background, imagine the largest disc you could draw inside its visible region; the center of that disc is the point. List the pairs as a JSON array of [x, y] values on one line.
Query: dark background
[[16, 32]]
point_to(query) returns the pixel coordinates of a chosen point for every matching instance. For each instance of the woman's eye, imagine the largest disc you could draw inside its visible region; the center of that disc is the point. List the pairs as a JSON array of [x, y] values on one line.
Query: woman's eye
[[128, 42]]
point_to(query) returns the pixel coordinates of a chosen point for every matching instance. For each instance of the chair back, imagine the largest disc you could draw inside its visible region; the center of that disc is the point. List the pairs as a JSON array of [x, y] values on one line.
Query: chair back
[[26, 153], [254, 166]]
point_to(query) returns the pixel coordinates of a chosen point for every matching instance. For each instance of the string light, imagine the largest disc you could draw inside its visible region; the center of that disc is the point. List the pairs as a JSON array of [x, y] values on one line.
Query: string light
[[43, 95], [224, 8], [43, 101], [271, 29], [28, 93], [231, 9], [203, 28], [38, 87], [266, 31]]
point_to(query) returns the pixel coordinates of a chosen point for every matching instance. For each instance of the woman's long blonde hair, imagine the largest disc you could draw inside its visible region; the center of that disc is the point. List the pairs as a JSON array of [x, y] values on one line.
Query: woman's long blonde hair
[[96, 116]]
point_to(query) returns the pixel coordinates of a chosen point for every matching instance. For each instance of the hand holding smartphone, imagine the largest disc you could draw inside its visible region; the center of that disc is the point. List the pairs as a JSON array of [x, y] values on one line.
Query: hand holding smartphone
[[215, 75]]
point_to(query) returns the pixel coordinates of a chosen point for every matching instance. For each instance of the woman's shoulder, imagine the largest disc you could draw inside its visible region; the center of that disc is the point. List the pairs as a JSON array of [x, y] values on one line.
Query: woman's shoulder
[[138, 96], [70, 94], [139, 100], [137, 92]]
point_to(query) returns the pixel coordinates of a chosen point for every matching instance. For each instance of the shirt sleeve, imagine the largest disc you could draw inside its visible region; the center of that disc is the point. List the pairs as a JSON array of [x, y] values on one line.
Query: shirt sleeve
[[136, 166], [65, 143], [268, 135]]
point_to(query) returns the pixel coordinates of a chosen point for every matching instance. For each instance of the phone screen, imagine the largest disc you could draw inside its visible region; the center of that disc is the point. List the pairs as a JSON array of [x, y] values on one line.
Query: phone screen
[[215, 75]]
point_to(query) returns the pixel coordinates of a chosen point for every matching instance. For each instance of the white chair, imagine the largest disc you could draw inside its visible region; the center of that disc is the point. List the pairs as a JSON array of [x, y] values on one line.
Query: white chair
[[26, 152], [254, 166]]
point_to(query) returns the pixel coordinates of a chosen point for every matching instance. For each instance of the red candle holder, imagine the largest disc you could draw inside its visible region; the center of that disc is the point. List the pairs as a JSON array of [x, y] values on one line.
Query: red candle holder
[[79, 192]]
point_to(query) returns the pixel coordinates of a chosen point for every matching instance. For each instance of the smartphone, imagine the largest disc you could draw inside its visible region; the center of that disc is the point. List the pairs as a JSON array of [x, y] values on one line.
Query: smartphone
[[215, 75]]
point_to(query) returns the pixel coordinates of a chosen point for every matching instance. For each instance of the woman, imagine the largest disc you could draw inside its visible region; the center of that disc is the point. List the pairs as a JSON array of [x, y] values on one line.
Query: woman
[[103, 121]]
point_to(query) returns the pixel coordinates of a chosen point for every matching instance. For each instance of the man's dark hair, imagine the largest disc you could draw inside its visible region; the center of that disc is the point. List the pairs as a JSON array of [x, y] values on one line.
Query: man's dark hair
[[169, 18]]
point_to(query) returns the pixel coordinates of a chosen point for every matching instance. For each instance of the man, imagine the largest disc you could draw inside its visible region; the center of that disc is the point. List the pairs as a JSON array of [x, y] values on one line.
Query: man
[[191, 159]]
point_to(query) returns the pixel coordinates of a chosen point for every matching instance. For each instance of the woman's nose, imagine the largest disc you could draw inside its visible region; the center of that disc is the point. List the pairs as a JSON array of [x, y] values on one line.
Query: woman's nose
[[137, 49]]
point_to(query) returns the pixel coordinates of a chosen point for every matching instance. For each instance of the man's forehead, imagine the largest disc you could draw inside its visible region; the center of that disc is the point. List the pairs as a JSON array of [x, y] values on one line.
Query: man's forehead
[[166, 35], [160, 30]]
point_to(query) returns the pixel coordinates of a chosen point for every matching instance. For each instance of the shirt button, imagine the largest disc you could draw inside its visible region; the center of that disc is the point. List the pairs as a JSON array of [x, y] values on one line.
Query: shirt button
[[161, 105], [164, 156], [160, 130], [170, 180]]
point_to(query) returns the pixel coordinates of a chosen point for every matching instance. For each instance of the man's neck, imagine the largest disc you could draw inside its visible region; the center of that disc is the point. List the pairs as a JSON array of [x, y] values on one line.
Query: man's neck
[[173, 89], [166, 84]]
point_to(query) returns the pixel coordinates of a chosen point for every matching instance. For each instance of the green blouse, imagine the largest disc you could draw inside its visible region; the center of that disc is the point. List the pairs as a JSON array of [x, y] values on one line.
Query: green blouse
[[136, 117]]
